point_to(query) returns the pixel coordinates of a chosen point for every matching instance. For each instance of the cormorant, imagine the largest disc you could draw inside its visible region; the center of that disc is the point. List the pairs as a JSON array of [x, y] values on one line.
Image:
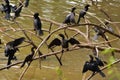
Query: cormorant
[[83, 12], [99, 32], [37, 24], [64, 42], [11, 48], [70, 18], [28, 58], [7, 9], [93, 65]]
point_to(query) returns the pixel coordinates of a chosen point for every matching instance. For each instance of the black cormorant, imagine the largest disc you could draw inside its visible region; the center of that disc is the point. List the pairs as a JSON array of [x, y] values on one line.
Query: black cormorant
[[7, 10], [99, 32], [37, 24], [93, 65], [83, 12], [109, 27], [70, 18], [64, 42], [28, 58], [11, 48]]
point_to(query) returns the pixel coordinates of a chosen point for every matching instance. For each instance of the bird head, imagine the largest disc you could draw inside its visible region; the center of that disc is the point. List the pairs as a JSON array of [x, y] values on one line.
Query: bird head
[[73, 9], [61, 35], [91, 57], [36, 14], [32, 49], [87, 6], [106, 23]]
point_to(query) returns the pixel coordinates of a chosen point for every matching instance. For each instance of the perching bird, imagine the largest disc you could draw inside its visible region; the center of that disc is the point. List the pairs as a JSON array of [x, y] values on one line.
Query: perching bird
[[64, 42], [70, 18], [11, 48], [99, 32], [93, 65], [28, 58], [7, 10], [37, 24], [83, 12], [26, 3]]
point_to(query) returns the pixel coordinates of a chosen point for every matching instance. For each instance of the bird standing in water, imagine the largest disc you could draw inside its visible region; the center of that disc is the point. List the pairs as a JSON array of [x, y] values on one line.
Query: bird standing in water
[[37, 24], [70, 18], [93, 65], [11, 48], [28, 58], [83, 12]]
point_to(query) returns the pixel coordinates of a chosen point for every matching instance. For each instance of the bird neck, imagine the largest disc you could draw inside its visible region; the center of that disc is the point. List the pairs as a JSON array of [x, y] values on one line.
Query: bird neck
[[72, 10], [63, 37], [32, 50], [86, 8]]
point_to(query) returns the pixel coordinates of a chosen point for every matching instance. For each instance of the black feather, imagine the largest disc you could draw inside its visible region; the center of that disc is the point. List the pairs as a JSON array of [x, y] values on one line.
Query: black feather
[[28, 58], [55, 42], [85, 67], [18, 41], [73, 41], [70, 18], [11, 48], [100, 63], [37, 24]]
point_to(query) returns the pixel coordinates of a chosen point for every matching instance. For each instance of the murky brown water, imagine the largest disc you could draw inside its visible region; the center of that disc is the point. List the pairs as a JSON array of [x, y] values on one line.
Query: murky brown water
[[72, 61]]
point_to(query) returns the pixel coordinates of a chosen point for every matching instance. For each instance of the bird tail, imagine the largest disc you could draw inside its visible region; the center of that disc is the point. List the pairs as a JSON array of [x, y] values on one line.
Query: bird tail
[[9, 62], [22, 64], [102, 74], [95, 37], [78, 20], [40, 32], [18, 41]]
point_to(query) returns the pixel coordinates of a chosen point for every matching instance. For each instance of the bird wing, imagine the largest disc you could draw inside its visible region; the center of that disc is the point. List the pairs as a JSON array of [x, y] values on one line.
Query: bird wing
[[18, 41], [99, 62], [37, 24], [85, 67], [73, 41], [67, 19], [55, 42]]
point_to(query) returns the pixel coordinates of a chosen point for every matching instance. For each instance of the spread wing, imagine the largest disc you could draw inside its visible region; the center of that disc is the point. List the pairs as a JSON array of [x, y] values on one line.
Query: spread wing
[[55, 42], [18, 41], [73, 41], [85, 67], [99, 62]]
